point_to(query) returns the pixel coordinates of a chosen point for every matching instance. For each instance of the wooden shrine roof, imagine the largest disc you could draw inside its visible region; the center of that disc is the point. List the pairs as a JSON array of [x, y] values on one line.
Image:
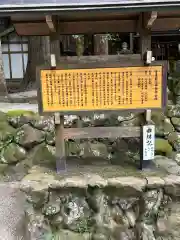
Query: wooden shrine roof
[[10, 6], [35, 17]]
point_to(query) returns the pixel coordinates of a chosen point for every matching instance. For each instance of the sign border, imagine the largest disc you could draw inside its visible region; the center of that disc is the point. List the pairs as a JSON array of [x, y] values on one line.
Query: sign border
[[98, 65]]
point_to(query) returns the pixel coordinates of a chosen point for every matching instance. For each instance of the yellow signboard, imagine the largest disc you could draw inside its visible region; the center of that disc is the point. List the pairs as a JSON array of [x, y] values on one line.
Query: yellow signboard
[[101, 89]]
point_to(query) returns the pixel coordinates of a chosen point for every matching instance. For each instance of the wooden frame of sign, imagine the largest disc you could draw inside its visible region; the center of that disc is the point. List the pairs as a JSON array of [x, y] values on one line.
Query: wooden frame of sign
[[91, 62]]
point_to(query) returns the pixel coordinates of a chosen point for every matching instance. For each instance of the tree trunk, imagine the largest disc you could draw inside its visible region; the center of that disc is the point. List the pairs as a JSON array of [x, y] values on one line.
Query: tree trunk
[[3, 87], [38, 54]]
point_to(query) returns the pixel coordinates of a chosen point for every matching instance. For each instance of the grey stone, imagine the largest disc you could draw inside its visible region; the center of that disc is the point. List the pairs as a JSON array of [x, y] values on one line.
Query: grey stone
[[176, 123], [167, 165], [45, 123], [95, 149], [28, 136], [126, 186], [155, 182], [172, 185]]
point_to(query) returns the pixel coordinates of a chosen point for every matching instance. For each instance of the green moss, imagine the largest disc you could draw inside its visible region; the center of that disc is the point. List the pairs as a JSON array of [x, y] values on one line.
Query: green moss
[[163, 146], [16, 113]]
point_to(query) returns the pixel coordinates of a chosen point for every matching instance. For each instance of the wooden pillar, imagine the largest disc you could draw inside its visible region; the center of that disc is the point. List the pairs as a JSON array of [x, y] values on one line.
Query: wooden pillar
[[59, 119], [145, 36], [131, 47], [3, 88], [145, 45]]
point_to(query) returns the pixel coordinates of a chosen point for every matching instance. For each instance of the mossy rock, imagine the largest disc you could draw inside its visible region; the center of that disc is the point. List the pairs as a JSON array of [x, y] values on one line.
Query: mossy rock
[[12, 153], [93, 149], [72, 148], [43, 155], [50, 138], [15, 113], [172, 111], [176, 123], [137, 121], [164, 129], [162, 146], [176, 88], [28, 137], [6, 132], [3, 168], [157, 117], [174, 140], [67, 235]]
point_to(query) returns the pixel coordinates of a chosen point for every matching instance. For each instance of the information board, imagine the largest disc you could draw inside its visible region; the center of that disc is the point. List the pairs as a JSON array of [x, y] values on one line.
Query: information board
[[101, 89]]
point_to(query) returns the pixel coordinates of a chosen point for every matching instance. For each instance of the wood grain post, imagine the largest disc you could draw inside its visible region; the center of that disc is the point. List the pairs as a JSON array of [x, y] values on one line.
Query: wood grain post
[[58, 119], [145, 45], [79, 53]]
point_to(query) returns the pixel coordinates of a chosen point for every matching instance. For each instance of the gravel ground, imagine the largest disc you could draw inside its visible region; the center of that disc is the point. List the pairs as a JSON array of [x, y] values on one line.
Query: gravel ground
[[5, 107], [12, 224]]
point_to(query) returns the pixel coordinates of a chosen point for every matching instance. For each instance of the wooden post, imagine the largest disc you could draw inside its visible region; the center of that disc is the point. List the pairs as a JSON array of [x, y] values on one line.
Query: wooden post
[[145, 46], [3, 87], [79, 53], [58, 119], [131, 46]]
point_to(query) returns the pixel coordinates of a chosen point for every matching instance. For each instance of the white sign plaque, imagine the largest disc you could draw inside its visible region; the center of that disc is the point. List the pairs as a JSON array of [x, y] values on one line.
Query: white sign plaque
[[148, 142]]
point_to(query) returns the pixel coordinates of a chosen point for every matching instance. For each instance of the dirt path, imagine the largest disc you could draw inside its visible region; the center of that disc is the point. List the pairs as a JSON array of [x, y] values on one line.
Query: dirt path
[[11, 212]]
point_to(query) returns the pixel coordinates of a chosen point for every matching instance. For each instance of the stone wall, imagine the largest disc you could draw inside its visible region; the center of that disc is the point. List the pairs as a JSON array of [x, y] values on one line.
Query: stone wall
[[27, 139], [91, 207]]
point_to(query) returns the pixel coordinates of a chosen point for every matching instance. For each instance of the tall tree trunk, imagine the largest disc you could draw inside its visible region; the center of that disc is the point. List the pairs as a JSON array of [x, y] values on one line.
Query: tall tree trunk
[[3, 87], [38, 54]]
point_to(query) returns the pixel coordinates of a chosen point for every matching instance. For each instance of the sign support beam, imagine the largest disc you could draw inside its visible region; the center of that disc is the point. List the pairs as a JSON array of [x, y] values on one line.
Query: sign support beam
[[149, 19], [145, 45], [51, 23], [58, 118]]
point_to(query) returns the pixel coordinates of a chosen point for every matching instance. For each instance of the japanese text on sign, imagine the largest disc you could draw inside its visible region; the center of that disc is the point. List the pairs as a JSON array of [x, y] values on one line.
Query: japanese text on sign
[[148, 142], [101, 89]]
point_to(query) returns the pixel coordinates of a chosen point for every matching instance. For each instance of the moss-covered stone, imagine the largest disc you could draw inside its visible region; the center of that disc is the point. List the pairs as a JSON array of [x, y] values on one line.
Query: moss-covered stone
[[44, 155], [172, 111], [29, 137], [45, 123], [176, 123], [3, 168], [73, 148], [176, 88], [139, 120], [174, 140], [162, 146], [68, 235], [12, 153], [50, 138], [157, 117], [93, 149], [6, 132], [163, 129]]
